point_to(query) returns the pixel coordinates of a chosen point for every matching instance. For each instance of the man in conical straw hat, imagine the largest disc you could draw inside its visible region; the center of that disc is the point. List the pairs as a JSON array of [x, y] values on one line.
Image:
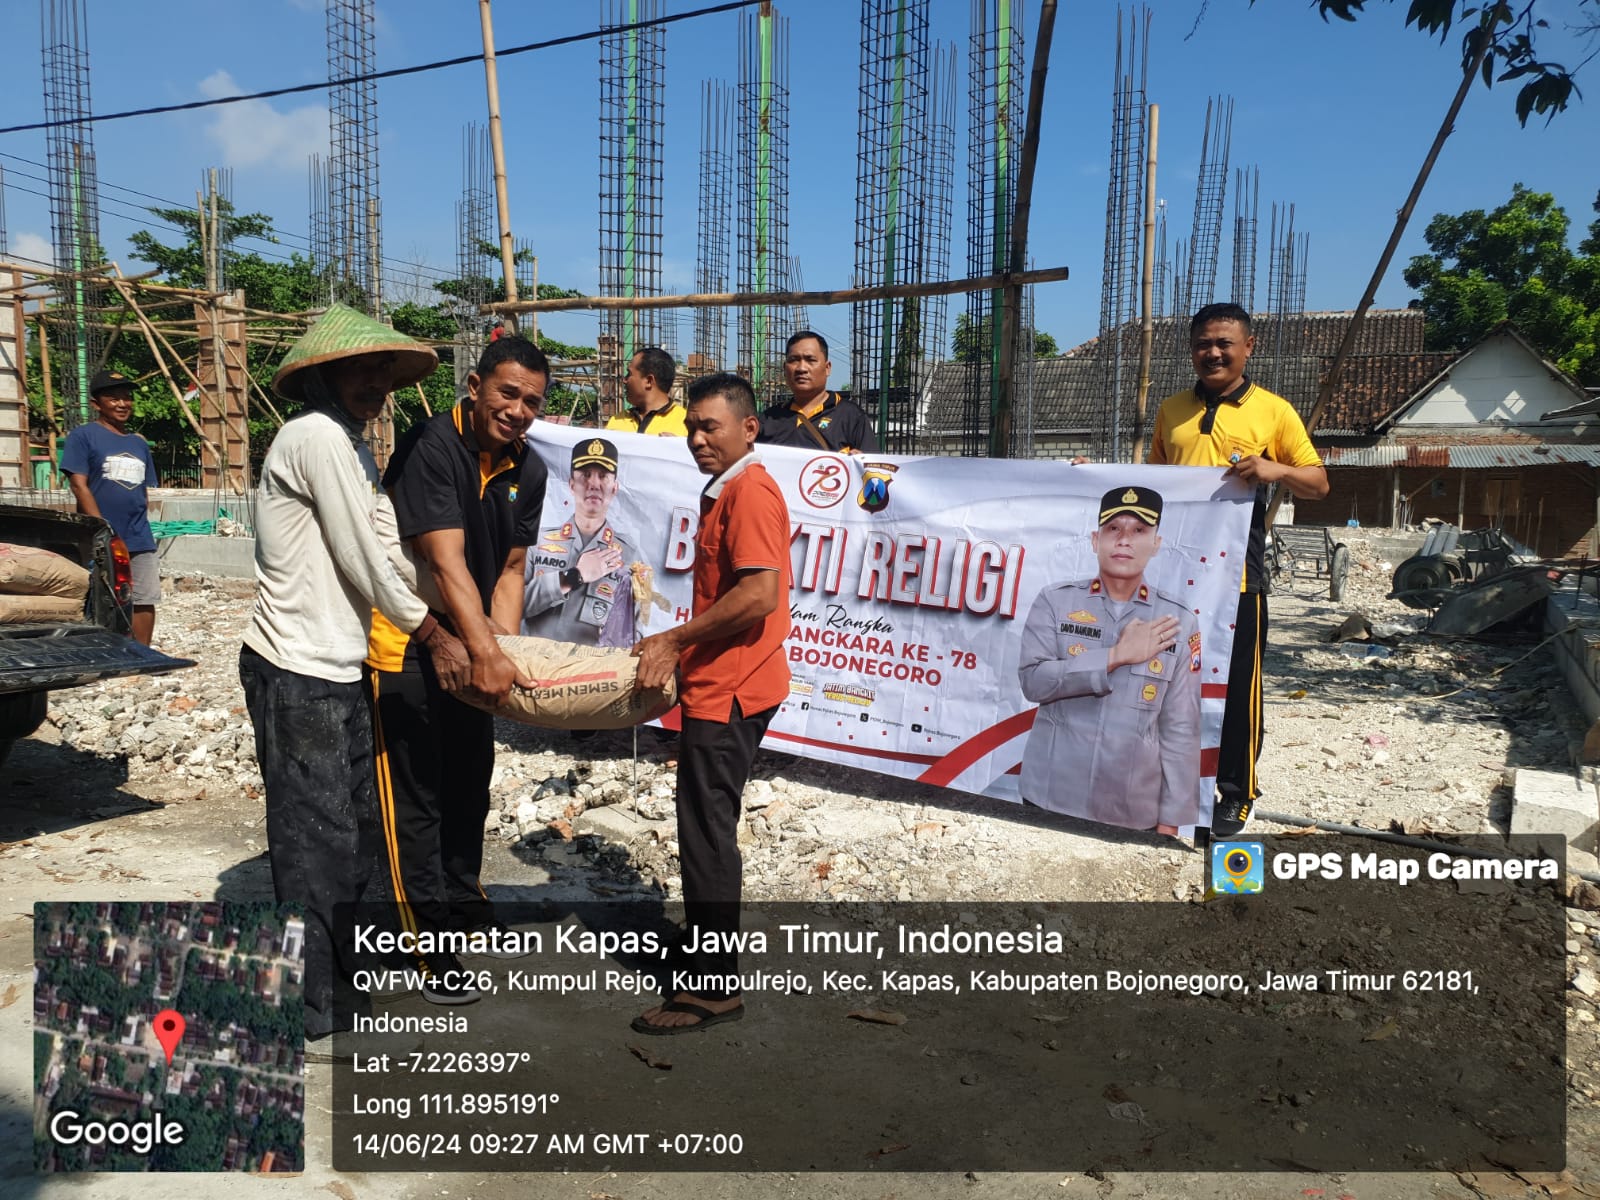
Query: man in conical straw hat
[[322, 567]]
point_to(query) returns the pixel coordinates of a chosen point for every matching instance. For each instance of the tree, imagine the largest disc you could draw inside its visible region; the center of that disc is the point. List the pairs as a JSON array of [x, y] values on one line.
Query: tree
[[972, 343], [1514, 262], [271, 285]]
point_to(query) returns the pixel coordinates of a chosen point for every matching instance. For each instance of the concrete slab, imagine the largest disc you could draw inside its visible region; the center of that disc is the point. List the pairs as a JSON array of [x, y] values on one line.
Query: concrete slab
[[1546, 803], [226, 558], [1572, 617], [617, 823]]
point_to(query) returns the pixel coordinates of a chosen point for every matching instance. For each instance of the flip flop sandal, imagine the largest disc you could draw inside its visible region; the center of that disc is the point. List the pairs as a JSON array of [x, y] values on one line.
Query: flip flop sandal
[[707, 1019]]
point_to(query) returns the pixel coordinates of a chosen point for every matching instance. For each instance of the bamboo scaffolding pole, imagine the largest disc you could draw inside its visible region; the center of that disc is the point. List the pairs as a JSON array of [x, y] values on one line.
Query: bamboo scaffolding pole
[[946, 287], [49, 394], [260, 391], [423, 396], [1330, 383], [151, 337], [111, 342], [50, 278], [497, 148]]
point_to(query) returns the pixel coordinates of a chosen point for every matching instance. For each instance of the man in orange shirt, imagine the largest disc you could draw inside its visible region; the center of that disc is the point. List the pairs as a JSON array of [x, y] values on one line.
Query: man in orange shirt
[[734, 677]]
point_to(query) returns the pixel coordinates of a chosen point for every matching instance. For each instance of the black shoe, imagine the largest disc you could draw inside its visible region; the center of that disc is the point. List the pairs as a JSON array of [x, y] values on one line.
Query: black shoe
[[448, 982], [1230, 815]]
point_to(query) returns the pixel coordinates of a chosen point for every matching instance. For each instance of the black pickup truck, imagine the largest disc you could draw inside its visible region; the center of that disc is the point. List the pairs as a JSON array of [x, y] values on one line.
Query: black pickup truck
[[38, 658]]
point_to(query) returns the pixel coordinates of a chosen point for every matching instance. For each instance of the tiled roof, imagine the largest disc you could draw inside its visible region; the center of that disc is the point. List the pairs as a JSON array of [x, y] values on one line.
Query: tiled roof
[[1486, 457], [1070, 393], [1373, 386]]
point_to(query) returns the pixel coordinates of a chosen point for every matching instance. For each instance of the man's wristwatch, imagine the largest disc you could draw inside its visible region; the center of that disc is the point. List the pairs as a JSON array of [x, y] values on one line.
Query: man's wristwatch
[[572, 578]]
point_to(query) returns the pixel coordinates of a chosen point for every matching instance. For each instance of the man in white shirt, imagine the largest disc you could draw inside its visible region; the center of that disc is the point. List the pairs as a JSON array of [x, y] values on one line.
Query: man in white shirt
[[322, 566]]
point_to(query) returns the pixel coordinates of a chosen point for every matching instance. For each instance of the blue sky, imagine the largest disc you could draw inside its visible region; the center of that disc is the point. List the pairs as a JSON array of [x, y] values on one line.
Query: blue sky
[[1337, 116]]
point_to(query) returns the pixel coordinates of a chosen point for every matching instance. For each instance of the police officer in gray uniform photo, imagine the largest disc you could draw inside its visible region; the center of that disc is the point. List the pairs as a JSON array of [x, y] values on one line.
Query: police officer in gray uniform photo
[[1114, 666], [578, 573]]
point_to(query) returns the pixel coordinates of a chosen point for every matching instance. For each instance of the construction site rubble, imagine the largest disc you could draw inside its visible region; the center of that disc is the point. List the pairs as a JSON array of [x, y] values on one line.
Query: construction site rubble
[[1427, 740]]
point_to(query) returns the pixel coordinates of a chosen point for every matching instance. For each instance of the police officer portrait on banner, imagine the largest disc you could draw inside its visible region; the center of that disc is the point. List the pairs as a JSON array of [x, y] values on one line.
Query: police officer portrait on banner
[[578, 583], [1114, 666]]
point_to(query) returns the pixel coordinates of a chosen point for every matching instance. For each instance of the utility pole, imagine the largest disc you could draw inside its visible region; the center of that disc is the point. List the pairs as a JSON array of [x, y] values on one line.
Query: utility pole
[[497, 146]]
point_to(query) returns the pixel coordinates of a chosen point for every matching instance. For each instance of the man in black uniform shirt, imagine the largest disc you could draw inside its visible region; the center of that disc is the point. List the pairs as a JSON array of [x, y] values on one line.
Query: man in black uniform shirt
[[815, 418], [468, 495]]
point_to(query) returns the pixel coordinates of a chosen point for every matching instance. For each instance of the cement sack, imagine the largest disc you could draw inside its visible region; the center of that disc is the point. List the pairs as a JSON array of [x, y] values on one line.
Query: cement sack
[[579, 687], [26, 610], [29, 571]]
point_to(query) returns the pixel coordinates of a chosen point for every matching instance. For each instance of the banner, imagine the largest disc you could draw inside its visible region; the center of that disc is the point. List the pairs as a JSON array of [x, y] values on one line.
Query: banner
[[962, 622]]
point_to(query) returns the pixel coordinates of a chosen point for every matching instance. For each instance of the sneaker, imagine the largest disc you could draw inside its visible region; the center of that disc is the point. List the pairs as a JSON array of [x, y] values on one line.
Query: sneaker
[[449, 983], [1230, 815]]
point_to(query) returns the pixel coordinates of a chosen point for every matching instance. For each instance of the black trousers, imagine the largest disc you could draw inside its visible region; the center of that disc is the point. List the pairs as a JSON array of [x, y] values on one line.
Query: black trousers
[[434, 757], [1243, 724], [314, 747], [714, 761]]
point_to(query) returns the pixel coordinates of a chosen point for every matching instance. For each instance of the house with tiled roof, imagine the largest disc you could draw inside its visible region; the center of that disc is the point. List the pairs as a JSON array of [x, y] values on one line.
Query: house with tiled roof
[[1496, 435]]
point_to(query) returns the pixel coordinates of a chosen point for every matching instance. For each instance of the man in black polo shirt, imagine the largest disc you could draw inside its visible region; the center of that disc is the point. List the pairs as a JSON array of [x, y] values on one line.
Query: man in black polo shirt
[[468, 495], [815, 418]]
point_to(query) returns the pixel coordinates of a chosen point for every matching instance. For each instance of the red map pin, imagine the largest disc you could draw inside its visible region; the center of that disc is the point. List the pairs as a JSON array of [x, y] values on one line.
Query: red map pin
[[169, 1030]]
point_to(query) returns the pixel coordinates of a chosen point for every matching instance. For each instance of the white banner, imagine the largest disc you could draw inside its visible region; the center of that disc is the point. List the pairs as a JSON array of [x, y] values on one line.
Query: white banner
[[932, 597]]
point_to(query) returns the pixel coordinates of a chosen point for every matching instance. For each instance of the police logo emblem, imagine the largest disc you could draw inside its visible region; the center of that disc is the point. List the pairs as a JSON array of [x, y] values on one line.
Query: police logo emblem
[[597, 447], [1075, 649], [1148, 692], [1155, 666], [875, 480], [1130, 497]]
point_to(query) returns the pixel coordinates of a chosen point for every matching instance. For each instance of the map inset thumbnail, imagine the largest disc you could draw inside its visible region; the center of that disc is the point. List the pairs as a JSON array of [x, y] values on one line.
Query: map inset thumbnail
[[234, 972]]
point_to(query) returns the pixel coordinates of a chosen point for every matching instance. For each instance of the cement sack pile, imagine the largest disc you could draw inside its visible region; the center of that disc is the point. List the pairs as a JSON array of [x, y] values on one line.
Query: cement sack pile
[[579, 687], [38, 585]]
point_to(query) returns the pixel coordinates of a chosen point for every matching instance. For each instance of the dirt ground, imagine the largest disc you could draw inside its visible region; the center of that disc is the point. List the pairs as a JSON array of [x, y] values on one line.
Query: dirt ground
[[147, 789]]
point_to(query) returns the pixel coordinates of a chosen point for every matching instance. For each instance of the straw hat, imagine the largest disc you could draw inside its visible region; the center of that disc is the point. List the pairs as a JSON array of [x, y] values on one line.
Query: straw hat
[[342, 332]]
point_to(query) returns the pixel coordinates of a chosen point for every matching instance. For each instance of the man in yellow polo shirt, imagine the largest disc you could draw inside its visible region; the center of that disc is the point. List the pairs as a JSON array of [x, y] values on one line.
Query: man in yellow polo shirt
[[1225, 420], [651, 408]]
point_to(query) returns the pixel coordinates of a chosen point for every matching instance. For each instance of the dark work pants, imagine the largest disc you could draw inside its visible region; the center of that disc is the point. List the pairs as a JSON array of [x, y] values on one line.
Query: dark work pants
[[1243, 725], [714, 761], [314, 748], [434, 759]]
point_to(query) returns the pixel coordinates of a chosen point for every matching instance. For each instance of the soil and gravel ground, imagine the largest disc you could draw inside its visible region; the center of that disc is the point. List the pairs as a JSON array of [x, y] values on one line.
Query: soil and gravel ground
[[148, 789]]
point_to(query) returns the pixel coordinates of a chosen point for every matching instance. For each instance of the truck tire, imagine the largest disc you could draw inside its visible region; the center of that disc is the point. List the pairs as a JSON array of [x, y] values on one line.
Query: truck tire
[[20, 714]]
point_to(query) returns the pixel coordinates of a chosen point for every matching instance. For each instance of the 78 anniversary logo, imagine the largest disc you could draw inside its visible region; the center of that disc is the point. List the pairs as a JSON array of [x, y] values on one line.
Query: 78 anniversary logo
[[825, 481]]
